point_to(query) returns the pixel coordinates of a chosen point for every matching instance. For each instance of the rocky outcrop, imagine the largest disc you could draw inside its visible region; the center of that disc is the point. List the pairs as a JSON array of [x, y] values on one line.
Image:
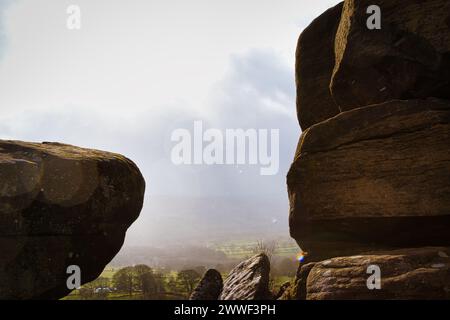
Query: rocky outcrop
[[422, 273], [408, 58], [249, 280], [209, 288], [60, 206], [371, 173], [314, 68], [373, 179]]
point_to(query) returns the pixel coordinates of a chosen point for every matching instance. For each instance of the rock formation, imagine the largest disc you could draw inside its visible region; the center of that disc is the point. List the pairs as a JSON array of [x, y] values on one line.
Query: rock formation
[[60, 206], [209, 288], [422, 273], [248, 281], [314, 68], [408, 58], [372, 180], [371, 173]]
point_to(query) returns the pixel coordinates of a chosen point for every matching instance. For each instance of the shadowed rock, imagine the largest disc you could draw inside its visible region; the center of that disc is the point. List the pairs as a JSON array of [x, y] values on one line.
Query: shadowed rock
[[297, 291], [61, 205], [408, 58], [284, 287], [314, 67], [406, 274], [249, 280], [209, 287], [373, 177]]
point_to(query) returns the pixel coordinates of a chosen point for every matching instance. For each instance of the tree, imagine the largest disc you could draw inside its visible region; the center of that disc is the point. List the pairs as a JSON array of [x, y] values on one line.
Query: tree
[[145, 280], [124, 280], [267, 248], [188, 280], [172, 283], [159, 283], [100, 282]]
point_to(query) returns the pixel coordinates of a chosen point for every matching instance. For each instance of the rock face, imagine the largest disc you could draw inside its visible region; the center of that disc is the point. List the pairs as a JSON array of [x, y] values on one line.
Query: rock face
[[209, 288], [248, 281], [373, 179], [314, 68], [371, 173], [382, 165], [60, 206], [422, 273], [408, 58]]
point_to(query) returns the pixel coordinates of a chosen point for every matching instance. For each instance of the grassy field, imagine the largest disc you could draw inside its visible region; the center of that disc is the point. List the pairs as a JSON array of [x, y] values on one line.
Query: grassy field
[[243, 248]]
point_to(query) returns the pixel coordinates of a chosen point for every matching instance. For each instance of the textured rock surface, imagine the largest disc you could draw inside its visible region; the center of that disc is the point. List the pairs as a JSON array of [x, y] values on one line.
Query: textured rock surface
[[297, 291], [59, 206], [284, 287], [209, 287], [408, 58], [248, 281], [422, 273], [314, 68], [373, 177]]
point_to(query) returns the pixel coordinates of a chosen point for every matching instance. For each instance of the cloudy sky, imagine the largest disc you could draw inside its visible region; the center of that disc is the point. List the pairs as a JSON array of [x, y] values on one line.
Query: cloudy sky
[[138, 69]]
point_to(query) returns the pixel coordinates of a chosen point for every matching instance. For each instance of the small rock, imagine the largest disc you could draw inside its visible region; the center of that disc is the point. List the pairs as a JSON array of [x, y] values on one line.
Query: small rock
[[249, 280], [209, 287]]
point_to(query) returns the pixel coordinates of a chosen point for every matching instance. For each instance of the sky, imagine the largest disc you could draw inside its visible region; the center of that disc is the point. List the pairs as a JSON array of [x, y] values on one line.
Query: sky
[[138, 69]]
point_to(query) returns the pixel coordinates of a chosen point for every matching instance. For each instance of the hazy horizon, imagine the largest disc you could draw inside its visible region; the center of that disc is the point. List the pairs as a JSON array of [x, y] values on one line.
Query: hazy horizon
[[137, 70]]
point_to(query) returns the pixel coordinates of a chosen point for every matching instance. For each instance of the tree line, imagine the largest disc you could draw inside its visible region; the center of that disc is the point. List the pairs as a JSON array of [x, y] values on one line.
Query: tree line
[[142, 282]]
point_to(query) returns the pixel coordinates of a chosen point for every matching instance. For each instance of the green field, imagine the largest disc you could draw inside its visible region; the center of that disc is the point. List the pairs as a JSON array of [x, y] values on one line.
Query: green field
[[243, 248]]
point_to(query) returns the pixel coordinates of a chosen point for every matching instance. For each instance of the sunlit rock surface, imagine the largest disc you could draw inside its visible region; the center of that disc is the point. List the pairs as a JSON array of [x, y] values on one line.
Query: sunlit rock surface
[[373, 177], [408, 58], [314, 68], [249, 280]]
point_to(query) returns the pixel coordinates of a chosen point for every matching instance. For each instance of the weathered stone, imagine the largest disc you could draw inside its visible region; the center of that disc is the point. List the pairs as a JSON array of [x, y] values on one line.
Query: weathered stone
[[60, 206], [284, 287], [297, 291], [408, 58], [314, 67], [406, 274], [373, 177], [249, 280], [209, 287]]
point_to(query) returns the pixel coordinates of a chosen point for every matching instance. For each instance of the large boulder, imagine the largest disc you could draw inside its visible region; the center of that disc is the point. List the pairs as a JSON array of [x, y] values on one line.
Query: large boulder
[[406, 274], [249, 280], [408, 58], [314, 68], [61, 206], [209, 288], [373, 177]]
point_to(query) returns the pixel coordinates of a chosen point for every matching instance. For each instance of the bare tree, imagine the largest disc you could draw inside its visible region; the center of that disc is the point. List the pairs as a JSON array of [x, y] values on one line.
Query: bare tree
[[268, 248]]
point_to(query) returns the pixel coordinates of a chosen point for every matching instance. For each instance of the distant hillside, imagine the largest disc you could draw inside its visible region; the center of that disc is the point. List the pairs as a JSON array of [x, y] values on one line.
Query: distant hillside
[[172, 258]]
